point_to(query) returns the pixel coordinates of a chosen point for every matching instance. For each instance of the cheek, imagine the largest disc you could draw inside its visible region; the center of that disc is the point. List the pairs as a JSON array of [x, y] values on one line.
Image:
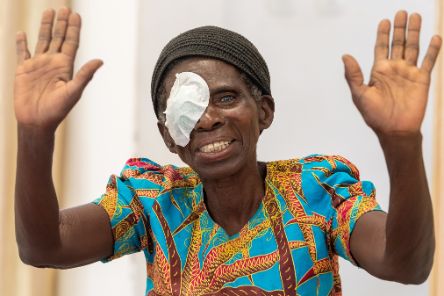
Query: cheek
[[247, 121], [184, 154]]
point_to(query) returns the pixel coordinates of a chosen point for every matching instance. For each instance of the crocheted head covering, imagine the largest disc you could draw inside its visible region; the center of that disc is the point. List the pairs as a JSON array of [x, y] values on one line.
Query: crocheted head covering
[[213, 42]]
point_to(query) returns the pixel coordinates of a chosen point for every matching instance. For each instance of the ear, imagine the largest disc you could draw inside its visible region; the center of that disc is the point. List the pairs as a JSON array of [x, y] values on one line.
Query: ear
[[266, 112], [169, 142]]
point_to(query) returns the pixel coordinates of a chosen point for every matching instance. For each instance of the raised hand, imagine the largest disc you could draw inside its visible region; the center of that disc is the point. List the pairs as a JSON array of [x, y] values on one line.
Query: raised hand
[[45, 90], [394, 101]]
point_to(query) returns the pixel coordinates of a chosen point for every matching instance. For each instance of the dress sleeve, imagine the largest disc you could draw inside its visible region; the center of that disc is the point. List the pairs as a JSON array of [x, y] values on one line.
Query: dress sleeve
[[340, 196], [128, 208]]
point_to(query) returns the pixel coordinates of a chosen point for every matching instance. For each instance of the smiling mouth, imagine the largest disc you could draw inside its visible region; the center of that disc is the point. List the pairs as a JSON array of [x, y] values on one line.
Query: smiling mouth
[[215, 147]]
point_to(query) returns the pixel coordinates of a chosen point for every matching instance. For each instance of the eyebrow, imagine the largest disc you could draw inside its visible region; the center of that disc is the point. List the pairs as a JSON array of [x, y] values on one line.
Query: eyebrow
[[223, 88]]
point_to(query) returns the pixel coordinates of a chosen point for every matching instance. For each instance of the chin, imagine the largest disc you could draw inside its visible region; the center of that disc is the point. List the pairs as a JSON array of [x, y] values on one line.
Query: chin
[[219, 170], [226, 168]]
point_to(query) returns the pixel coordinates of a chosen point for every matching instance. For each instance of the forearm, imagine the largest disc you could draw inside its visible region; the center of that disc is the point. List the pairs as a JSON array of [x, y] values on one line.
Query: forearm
[[36, 206], [410, 238]]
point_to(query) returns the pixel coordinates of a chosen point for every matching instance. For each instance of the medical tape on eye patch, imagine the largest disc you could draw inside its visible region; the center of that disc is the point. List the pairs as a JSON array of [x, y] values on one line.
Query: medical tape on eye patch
[[189, 97]]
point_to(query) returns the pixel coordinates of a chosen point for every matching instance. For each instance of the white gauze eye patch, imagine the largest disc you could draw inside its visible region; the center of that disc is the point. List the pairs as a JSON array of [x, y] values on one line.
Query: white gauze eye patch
[[189, 97]]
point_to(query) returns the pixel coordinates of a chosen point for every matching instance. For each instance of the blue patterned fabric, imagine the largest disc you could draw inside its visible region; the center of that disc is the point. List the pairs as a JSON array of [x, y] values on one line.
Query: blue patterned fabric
[[288, 247]]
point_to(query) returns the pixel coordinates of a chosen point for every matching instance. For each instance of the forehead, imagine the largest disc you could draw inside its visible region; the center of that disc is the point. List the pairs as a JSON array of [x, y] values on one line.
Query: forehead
[[216, 73]]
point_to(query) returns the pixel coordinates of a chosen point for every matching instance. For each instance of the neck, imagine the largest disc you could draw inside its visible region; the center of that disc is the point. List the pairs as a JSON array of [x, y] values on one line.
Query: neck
[[232, 201]]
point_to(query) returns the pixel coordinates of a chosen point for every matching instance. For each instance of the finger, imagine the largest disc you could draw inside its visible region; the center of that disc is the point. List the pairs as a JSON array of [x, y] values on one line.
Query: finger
[[60, 29], [382, 40], [83, 77], [71, 43], [22, 48], [45, 32], [432, 53], [412, 43], [398, 41], [354, 76]]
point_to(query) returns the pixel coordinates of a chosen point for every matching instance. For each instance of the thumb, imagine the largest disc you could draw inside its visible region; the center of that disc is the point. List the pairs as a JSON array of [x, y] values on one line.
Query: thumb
[[353, 75], [84, 76]]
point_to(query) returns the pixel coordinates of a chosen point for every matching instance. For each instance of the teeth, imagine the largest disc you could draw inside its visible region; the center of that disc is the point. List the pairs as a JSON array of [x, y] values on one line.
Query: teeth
[[215, 147]]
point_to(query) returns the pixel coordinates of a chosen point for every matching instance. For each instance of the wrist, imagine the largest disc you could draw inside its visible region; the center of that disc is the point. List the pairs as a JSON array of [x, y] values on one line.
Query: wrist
[[35, 136], [35, 131], [402, 150], [400, 139]]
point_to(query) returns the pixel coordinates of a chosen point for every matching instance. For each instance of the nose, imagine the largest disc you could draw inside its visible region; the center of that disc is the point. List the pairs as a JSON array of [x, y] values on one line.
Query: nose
[[210, 119]]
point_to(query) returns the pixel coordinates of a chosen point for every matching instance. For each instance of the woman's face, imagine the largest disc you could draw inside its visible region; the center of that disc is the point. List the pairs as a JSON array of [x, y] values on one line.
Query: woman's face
[[224, 140]]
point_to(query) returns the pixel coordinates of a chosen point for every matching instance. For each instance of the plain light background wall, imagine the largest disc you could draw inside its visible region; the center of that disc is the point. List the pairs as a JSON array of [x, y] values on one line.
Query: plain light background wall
[[302, 42]]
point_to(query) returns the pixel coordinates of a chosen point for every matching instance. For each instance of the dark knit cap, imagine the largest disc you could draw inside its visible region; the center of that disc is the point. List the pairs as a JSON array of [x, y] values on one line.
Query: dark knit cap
[[213, 42]]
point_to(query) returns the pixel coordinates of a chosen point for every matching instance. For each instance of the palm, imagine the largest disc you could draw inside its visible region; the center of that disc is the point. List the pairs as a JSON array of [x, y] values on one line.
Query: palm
[[396, 97], [394, 101], [45, 90], [41, 89]]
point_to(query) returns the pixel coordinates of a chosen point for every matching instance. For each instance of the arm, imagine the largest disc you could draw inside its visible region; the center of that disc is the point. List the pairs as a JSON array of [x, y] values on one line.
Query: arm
[[398, 246], [44, 93]]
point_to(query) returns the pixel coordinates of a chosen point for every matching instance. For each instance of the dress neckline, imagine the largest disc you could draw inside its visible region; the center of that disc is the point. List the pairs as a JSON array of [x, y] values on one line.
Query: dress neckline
[[257, 212]]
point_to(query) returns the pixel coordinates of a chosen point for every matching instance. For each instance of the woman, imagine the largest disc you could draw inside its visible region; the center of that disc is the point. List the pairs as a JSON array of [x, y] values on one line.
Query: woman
[[229, 224]]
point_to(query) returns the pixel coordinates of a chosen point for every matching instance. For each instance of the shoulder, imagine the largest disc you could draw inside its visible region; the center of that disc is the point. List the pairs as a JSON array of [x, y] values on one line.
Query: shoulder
[[143, 172], [321, 182], [330, 164], [143, 183], [314, 163]]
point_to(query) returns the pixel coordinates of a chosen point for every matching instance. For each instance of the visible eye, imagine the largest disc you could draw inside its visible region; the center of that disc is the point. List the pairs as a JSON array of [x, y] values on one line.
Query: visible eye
[[226, 99]]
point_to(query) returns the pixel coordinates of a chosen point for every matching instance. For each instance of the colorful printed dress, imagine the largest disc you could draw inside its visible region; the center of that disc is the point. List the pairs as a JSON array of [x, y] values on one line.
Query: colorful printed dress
[[289, 246]]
